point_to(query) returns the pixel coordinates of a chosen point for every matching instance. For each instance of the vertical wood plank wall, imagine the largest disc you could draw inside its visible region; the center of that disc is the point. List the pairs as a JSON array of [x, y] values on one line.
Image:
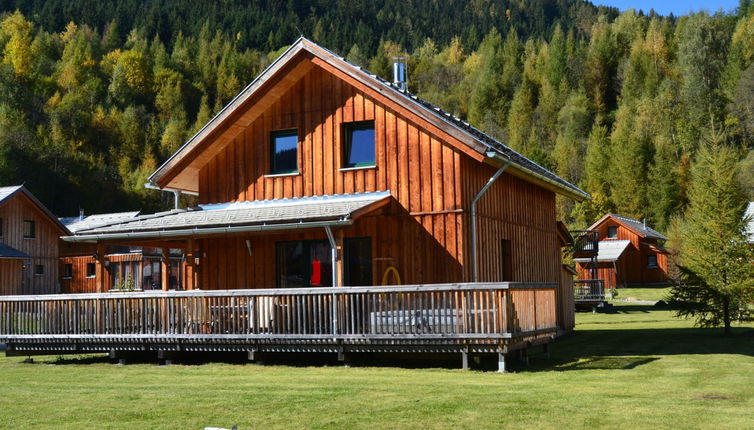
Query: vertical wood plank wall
[[43, 248], [632, 265], [423, 232]]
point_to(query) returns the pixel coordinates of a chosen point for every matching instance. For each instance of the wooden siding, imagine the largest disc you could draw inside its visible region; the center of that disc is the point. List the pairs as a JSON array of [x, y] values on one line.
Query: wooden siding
[[11, 276], [43, 249], [520, 212], [430, 180], [565, 300], [632, 265]]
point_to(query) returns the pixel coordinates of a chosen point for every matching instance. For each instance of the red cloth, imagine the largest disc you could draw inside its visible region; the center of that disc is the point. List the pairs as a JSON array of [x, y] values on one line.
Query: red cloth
[[316, 279]]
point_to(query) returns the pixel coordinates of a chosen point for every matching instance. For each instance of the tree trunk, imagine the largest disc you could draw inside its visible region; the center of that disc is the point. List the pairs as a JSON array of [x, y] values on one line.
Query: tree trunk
[[726, 315]]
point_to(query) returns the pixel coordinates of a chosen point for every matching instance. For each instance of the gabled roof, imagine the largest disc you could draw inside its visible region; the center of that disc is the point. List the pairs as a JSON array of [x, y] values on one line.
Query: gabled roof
[[6, 252], [750, 225], [77, 223], [609, 250], [7, 192], [224, 218], [636, 226], [180, 170]]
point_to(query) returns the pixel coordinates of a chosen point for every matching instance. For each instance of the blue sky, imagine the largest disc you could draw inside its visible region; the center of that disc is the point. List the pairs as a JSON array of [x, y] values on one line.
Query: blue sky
[[677, 7]]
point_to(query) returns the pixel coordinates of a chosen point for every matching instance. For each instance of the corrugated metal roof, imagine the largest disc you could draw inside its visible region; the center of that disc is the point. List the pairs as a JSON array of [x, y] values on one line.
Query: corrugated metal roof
[[750, 226], [6, 192], [76, 223], [234, 214], [6, 252], [640, 227], [609, 250]]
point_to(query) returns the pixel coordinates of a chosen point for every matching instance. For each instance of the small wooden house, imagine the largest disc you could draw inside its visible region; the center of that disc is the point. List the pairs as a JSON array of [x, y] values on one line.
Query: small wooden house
[[29, 236], [629, 253], [126, 267], [320, 174]]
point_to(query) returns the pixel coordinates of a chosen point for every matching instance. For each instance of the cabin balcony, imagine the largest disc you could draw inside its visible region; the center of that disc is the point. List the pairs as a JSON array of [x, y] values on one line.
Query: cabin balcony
[[460, 318], [585, 243]]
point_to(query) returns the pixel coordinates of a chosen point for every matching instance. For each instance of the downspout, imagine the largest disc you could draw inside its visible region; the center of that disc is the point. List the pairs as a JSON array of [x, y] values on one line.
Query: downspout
[[334, 260], [474, 265]]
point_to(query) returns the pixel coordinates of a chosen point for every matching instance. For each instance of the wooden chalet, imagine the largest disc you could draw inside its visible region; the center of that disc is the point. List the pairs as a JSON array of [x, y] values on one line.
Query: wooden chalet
[[337, 212], [29, 235], [628, 253], [125, 267]]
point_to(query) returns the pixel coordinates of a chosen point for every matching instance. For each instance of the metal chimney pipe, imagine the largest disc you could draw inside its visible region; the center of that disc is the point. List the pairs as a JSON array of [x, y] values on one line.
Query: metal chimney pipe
[[399, 73]]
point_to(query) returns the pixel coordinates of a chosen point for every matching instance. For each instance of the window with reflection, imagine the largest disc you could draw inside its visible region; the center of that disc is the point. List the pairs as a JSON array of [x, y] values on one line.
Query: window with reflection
[[304, 264], [358, 140], [284, 149]]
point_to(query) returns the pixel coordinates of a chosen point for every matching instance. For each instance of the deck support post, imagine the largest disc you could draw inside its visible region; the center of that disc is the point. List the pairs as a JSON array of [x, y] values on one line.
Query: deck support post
[[500, 362], [165, 275], [465, 359], [250, 354]]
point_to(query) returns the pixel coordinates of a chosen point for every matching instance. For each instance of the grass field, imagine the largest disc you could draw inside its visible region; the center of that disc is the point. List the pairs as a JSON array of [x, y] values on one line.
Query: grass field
[[636, 368]]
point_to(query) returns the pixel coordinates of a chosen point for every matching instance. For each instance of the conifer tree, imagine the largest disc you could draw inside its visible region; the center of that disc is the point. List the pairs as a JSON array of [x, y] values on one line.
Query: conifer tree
[[716, 279]]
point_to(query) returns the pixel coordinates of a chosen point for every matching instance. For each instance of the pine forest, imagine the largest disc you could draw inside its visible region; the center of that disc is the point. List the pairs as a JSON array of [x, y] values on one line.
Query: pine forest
[[617, 103]]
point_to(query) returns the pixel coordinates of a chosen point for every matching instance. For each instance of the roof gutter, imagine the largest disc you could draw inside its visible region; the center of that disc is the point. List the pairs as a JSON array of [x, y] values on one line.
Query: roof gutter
[[205, 232], [498, 160]]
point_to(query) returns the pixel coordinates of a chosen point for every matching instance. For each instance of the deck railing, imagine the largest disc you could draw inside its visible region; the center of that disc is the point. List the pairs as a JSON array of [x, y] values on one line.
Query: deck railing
[[447, 311], [589, 291]]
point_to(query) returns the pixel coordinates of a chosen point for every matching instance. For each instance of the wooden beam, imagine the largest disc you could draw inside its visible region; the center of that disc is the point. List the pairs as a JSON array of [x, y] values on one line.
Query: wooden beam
[[99, 270], [165, 273]]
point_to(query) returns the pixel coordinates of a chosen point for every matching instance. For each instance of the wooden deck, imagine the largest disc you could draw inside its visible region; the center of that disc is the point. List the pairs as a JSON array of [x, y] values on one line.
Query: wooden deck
[[477, 318]]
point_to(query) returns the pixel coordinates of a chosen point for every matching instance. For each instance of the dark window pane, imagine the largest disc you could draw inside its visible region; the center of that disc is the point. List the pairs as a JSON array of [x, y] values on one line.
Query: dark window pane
[[29, 229], [39, 269], [284, 151], [303, 264], [359, 139], [358, 262], [68, 271], [612, 232]]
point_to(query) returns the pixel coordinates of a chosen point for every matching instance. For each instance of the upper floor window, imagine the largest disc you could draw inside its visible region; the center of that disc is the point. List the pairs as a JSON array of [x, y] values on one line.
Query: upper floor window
[[284, 150], [39, 269], [91, 270], [612, 232], [30, 229], [358, 139], [651, 261], [68, 271]]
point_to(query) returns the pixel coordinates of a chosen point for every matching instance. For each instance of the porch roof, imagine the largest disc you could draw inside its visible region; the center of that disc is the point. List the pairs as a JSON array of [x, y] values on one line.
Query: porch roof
[[240, 217], [8, 253], [609, 250]]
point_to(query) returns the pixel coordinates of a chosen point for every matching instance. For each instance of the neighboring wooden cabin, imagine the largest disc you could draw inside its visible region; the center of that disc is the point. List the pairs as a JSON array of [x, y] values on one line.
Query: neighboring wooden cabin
[[126, 267], [630, 253], [314, 125], [29, 236]]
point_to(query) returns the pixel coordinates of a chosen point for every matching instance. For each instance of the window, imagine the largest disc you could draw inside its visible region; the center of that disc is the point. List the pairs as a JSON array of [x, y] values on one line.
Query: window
[[68, 271], [30, 229], [303, 264], [358, 262], [506, 261], [284, 149], [612, 232], [39, 269], [652, 261], [152, 275], [358, 144], [91, 270]]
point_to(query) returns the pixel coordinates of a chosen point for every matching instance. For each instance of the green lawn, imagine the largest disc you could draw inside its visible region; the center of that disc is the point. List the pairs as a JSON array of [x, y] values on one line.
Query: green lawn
[[637, 368], [651, 294]]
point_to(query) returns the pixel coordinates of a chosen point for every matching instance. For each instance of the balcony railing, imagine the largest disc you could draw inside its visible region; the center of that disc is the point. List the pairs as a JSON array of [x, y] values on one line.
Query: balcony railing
[[585, 243], [589, 291], [450, 314]]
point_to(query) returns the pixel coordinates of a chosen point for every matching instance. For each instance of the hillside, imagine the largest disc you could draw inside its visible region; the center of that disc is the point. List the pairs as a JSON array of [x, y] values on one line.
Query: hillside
[[94, 95]]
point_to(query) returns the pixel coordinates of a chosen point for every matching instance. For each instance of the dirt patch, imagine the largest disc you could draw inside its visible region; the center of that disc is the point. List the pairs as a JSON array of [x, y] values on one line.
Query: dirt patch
[[712, 397]]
